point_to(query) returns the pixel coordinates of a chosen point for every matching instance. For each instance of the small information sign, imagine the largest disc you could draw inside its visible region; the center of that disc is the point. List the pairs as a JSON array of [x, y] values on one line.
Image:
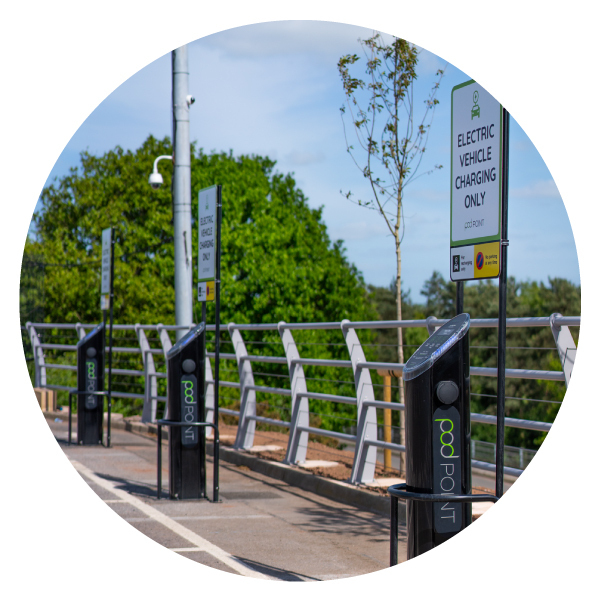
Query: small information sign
[[207, 243], [476, 190], [206, 291], [105, 285]]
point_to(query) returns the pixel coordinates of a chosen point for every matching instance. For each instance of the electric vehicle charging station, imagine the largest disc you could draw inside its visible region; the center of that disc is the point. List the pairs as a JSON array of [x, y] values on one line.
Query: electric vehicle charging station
[[438, 442], [438, 435], [185, 410], [90, 378]]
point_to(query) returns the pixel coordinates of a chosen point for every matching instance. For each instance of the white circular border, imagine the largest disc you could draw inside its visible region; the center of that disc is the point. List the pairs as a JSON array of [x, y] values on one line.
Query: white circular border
[[61, 59]]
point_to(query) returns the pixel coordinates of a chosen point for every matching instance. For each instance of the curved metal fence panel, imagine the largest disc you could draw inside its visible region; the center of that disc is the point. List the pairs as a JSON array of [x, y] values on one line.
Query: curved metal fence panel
[[283, 375]]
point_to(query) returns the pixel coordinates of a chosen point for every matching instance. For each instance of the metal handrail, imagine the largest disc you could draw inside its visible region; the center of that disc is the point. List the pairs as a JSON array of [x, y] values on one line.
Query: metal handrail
[[559, 325], [566, 321]]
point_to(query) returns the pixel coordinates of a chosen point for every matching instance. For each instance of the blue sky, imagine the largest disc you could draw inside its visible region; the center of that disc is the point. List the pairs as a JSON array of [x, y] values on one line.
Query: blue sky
[[273, 89]]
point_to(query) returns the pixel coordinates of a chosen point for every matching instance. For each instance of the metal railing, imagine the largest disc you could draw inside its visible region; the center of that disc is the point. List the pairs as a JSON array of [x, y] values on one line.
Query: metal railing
[[365, 441]]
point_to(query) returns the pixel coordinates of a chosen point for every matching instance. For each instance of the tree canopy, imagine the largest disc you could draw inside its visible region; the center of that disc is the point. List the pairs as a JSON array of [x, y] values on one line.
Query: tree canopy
[[278, 262]]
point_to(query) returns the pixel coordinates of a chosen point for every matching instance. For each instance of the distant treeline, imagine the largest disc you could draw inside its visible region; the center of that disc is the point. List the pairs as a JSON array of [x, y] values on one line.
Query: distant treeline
[[527, 348]]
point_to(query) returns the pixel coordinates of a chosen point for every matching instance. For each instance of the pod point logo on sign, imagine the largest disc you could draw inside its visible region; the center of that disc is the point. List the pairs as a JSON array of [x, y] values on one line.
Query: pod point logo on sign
[[447, 471], [189, 409]]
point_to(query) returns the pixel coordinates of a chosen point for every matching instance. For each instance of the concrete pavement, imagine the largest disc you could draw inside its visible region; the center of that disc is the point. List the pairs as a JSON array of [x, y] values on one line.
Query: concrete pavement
[[264, 527]]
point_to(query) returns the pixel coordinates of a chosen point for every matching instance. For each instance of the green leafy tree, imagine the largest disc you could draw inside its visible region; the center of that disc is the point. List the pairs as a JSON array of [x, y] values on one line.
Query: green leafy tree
[[278, 263]]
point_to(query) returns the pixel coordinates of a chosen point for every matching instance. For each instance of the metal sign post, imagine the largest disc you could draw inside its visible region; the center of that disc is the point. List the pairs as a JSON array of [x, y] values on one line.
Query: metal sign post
[[500, 410], [479, 213], [106, 302], [209, 284]]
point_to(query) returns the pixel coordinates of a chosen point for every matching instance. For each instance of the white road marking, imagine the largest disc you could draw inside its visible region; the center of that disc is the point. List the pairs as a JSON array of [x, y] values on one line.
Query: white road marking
[[199, 518], [198, 541]]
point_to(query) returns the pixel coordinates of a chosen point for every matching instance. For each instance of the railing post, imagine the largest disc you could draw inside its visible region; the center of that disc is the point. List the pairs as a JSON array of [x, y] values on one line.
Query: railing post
[[567, 351], [365, 455], [387, 421], [80, 330], [209, 398], [244, 439], [38, 356], [431, 326], [298, 440], [165, 342], [150, 387]]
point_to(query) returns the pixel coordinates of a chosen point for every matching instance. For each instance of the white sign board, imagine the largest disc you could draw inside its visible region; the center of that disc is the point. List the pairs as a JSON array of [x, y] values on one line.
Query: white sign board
[[207, 242], [476, 190], [106, 250]]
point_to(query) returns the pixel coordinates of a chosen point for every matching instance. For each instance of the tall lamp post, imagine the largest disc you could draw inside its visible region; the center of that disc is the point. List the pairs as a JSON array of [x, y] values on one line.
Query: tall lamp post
[[182, 192]]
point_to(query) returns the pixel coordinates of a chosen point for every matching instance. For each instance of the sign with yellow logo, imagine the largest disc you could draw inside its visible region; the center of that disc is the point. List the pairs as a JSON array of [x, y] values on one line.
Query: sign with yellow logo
[[206, 291], [487, 260], [480, 261]]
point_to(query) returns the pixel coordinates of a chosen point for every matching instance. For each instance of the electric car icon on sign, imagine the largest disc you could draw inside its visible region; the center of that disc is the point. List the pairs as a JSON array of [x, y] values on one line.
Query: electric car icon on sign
[[475, 109]]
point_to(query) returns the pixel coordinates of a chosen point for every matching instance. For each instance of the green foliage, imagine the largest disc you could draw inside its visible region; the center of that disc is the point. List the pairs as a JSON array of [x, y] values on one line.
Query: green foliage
[[277, 259], [527, 347], [278, 262], [105, 191], [381, 110]]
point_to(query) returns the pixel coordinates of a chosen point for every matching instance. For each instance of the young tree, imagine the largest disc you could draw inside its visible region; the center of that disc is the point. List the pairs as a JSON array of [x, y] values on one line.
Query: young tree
[[391, 139]]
